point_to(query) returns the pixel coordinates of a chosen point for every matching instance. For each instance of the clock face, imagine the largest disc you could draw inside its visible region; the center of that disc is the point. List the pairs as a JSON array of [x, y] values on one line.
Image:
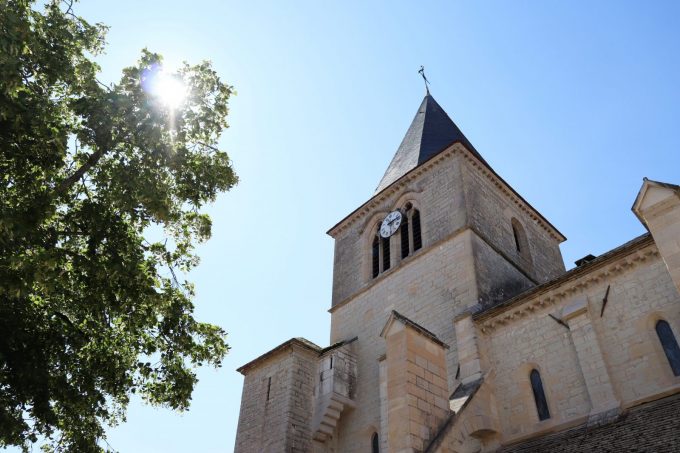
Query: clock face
[[391, 224]]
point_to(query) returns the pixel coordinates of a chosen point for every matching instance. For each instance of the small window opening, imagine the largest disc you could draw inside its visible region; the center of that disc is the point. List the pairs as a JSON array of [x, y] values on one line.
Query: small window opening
[[375, 443], [670, 345], [331, 362], [269, 387], [404, 238], [516, 234], [539, 395], [386, 253], [376, 256], [521, 241], [417, 240]]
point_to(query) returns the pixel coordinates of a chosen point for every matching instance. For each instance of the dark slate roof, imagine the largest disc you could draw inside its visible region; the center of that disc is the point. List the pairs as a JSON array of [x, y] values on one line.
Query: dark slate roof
[[653, 426], [430, 133]]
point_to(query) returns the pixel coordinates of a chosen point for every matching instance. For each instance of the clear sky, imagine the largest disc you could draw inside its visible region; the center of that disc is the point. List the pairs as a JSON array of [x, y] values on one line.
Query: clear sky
[[571, 102]]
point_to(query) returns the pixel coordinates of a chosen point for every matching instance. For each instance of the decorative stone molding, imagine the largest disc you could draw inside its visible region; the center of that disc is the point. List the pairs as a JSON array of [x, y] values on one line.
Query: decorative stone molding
[[413, 175], [555, 293]]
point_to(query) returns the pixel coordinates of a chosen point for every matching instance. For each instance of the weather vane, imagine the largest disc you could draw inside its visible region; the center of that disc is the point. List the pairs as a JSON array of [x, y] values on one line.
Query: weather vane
[[421, 71]]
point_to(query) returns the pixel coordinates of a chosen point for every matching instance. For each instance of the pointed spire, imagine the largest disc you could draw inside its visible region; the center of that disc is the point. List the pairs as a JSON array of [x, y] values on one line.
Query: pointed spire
[[430, 133]]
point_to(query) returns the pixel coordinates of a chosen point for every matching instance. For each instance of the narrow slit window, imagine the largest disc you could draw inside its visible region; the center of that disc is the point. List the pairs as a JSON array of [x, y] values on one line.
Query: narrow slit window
[[670, 345], [520, 237], [269, 387], [385, 253], [515, 233], [415, 221], [539, 395], [376, 256], [404, 238], [375, 443]]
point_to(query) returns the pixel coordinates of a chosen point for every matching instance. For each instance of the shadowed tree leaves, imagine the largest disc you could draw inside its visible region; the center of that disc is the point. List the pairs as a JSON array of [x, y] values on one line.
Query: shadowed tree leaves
[[91, 311]]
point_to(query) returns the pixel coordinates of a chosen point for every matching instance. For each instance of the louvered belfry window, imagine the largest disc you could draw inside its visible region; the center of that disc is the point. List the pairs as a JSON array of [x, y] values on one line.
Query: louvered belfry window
[[409, 240], [405, 249], [410, 231], [417, 240], [386, 253], [380, 254], [376, 256], [670, 345]]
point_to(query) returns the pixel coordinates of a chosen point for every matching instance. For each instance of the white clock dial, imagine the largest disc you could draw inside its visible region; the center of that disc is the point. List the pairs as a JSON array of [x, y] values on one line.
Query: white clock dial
[[391, 224]]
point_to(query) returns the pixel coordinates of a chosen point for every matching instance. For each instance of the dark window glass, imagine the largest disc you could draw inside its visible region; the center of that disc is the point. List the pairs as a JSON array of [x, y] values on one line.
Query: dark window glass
[[375, 443], [376, 256], [415, 221], [386, 253], [670, 345], [404, 237], [539, 395]]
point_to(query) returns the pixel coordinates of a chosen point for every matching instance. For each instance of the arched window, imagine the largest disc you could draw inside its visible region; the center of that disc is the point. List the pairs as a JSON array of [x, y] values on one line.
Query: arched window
[[404, 233], [516, 233], [520, 236], [376, 256], [417, 240], [670, 345], [539, 395], [375, 443], [410, 231], [386, 253], [380, 254]]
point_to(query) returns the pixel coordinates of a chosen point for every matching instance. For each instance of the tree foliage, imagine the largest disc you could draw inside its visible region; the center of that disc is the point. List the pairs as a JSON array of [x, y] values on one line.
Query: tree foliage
[[90, 310]]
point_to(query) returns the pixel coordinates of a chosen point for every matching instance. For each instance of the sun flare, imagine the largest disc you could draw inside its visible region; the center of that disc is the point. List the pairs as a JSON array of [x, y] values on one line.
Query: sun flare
[[168, 88]]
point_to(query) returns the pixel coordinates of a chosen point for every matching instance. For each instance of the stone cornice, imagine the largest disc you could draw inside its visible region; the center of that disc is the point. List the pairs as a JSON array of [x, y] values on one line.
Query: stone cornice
[[564, 287], [297, 343]]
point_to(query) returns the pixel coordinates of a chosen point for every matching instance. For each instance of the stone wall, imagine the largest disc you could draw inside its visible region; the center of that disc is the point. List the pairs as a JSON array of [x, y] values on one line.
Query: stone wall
[[276, 404], [436, 193], [491, 209], [428, 289], [497, 278], [417, 386], [597, 366], [652, 427], [455, 270]]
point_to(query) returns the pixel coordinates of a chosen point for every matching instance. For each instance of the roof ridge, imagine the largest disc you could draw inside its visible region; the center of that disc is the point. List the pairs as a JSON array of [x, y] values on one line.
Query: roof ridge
[[431, 131]]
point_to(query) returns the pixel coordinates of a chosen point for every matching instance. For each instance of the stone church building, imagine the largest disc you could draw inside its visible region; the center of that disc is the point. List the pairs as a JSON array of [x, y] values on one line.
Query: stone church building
[[456, 328]]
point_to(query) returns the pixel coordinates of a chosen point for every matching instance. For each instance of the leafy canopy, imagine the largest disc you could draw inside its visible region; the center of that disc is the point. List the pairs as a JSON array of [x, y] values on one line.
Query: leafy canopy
[[91, 311]]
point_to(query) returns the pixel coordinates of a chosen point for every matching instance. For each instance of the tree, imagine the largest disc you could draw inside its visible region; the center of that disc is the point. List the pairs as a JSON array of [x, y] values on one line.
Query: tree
[[91, 310]]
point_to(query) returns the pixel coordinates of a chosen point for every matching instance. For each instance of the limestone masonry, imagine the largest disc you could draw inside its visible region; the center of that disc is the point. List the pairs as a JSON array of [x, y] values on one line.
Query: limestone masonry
[[461, 331]]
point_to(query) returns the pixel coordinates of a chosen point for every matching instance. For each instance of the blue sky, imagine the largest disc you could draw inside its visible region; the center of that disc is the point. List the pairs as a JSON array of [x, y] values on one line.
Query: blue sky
[[572, 103]]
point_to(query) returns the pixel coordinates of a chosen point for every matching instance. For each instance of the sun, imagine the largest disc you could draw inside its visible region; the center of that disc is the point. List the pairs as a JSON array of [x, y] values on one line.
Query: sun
[[167, 87], [171, 90]]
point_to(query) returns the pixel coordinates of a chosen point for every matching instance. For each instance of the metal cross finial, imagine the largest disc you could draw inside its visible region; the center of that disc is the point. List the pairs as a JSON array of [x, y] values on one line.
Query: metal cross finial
[[421, 71]]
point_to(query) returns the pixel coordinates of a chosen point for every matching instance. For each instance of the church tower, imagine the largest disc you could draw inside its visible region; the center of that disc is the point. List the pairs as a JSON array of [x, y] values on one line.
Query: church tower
[[443, 236]]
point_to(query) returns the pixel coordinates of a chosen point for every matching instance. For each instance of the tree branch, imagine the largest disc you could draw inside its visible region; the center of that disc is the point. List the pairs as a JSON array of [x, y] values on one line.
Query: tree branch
[[91, 161]]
